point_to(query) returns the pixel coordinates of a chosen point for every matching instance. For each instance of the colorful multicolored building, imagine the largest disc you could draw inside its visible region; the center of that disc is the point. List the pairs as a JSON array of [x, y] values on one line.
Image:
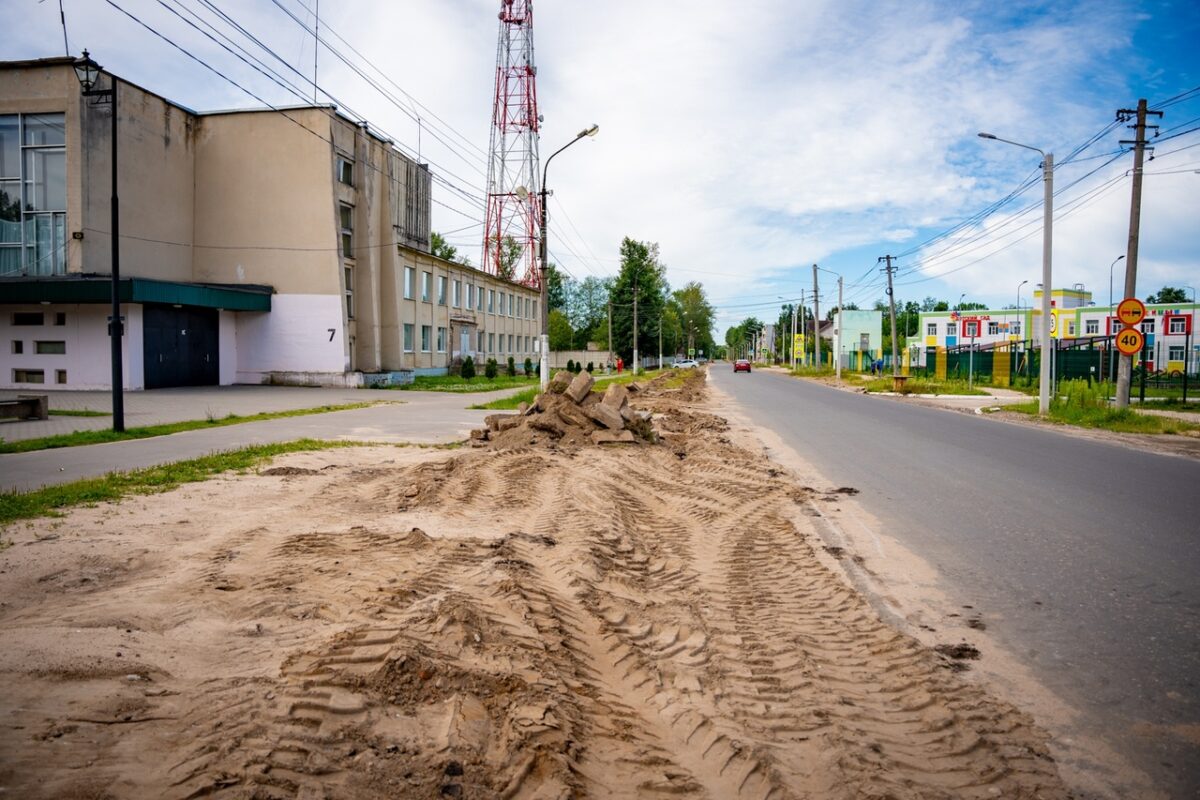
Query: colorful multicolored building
[[1170, 328]]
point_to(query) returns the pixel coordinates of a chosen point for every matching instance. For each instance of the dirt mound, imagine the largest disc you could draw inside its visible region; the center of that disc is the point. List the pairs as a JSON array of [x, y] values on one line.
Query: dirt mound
[[570, 414]]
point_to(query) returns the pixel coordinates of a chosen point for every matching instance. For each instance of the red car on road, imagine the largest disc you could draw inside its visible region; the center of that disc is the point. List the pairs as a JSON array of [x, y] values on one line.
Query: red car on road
[[741, 365]]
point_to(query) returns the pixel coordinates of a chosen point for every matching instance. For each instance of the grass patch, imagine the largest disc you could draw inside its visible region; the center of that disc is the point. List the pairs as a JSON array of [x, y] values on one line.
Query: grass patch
[[79, 438], [77, 412], [454, 383], [1086, 406], [810, 371], [922, 386], [50, 500], [1171, 404]]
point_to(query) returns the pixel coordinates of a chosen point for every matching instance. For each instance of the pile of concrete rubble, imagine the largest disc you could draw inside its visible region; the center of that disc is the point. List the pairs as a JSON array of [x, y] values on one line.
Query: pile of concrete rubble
[[569, 412]]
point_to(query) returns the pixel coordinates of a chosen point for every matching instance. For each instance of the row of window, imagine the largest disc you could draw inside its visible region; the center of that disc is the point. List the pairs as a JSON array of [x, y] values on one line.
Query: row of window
[[34, 318], [37, 376], [40, 348], [488, 339], [509, 304]]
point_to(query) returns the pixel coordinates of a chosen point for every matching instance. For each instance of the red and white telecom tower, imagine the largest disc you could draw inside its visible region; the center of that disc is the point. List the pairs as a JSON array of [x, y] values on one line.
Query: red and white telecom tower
[[510, 233]]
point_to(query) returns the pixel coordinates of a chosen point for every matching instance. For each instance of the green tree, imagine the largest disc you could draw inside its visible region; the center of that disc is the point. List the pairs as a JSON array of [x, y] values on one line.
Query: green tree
[[587, 309], [1168, 294], [561, 335], [556, 289], [640, 267], [696, 317], [468, 368], [440, 248], [510, 257]]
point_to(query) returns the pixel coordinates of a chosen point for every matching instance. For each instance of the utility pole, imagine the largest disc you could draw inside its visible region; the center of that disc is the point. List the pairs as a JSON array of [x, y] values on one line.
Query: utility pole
[[892, 312], [660, 358], [1125, 365], [635, 341], [837, 332], [793, 343], [816, 321]]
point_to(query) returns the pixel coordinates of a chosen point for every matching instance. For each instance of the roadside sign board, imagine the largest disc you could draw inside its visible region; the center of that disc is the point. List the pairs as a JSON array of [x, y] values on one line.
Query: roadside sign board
[[691, 352], [1131, 311], [1130, 341]]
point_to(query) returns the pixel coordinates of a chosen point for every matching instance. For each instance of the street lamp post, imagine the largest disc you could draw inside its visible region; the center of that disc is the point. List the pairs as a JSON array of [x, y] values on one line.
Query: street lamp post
[[1047, 250], [1113, 341], [543, 256], [88, 71]]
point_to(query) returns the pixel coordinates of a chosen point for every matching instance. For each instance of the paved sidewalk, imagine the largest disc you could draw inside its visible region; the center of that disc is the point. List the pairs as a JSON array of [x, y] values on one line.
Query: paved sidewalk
[[421, 417]]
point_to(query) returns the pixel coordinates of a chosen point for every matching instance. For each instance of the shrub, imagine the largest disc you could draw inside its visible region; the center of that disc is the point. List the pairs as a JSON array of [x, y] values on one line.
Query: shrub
[[468, 368], [570, 365], [590, 367], [512, 367], [529, 366], [490, 370]]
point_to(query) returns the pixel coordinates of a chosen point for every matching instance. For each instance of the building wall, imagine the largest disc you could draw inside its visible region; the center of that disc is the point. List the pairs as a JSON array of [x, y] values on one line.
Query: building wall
[[86, 361]]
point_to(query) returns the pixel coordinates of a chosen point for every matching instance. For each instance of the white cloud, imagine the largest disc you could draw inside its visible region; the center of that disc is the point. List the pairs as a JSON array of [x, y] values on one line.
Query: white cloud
[[746, 139]]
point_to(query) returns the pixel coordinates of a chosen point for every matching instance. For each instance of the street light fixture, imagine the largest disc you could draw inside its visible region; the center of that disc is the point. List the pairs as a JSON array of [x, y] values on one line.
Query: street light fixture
[[543, 256], [88, 72], [1047, 249]]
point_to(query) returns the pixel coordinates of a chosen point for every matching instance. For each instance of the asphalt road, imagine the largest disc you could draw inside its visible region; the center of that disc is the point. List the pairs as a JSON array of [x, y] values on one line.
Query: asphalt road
[[1084, 556]]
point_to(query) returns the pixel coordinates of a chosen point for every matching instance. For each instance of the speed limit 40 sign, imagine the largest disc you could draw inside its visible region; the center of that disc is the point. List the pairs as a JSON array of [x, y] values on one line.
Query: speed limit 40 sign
[[1130, 341]]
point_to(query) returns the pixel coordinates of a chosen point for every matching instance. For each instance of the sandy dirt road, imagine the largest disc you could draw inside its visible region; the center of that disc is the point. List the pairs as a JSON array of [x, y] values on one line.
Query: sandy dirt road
[[533, 622]]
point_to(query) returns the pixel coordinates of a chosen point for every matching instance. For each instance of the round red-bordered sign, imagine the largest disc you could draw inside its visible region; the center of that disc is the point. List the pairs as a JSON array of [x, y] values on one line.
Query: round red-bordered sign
[[1131, 311], [1130, 341]]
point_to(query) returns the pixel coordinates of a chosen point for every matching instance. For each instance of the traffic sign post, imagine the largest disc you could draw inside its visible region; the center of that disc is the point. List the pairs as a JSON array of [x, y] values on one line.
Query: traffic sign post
[[1131, 311], [1130, 341]]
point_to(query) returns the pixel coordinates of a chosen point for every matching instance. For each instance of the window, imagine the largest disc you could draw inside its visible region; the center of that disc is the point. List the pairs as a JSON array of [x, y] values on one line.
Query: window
[[426, 335], [1148, 325], [993, 328], [408, 283], [527, 350], [27, 318], [502, 312], [971, 329], [33, 194], [1091, 327], [426, 286], [471, 296], [931, 329], [1175, 352], [512, 312], [1176, 325], [349, 273], [441, 290], [50, 348], [346, 218], [510, 343], [491, 300], [457, 293], [60, 376], [29, 376], [441, 340], [479, 349], [18, 347], [491, 342], [345, 170], [408, 337], [481, 298], [949, 328], [60, 318], [1015, 328], [528, 308]]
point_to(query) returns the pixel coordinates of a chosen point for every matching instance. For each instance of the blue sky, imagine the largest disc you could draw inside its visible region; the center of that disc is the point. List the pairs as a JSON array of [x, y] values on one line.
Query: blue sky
[[752, 140]]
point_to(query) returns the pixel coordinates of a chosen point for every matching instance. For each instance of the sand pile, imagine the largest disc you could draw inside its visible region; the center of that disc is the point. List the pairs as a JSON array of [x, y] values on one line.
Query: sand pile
[[570, 413], [499, 622]]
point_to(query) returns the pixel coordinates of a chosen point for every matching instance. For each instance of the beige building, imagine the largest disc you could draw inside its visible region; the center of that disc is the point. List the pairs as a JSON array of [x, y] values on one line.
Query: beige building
[[287, 245]]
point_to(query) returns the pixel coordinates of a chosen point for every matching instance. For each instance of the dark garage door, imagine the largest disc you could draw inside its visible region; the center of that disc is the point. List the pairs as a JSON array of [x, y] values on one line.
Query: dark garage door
[[180, 346]]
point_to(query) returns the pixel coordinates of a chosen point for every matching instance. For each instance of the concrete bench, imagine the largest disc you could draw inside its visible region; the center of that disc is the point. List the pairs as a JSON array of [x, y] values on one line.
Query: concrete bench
[[26, 406]]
